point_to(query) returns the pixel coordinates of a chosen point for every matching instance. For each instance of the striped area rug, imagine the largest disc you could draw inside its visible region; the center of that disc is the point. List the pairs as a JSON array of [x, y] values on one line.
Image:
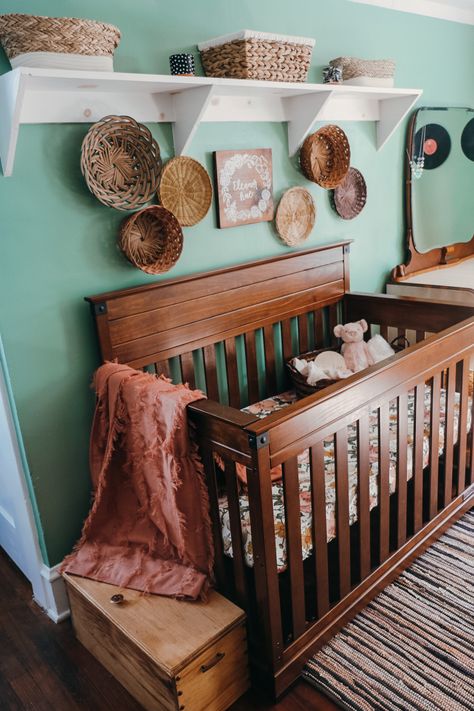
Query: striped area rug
[[412, 647]]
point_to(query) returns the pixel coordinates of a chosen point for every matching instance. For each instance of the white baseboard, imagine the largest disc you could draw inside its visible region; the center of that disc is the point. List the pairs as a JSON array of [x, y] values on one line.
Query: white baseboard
[[52, 595]]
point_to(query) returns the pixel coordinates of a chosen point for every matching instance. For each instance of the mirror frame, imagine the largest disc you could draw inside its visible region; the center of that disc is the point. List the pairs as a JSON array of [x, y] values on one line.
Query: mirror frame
[[439, 256]]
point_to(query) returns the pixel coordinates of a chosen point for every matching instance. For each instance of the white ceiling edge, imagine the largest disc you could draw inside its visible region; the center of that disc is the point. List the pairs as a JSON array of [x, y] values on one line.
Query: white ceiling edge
[[432, 8]]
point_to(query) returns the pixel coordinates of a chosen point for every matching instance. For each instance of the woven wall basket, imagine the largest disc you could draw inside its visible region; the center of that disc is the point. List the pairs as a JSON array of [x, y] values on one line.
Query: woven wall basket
[[185, 189], [325, 156], [295, 216], [21, 34], [152, 239], [350, 196], [121, 162]]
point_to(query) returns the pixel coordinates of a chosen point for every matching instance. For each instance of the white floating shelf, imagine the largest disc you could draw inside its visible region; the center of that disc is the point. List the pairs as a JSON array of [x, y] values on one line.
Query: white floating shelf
[[29, 95]]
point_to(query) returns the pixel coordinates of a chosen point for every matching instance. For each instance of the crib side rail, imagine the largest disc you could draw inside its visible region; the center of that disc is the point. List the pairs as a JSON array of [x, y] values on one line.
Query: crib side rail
[[390, 454]]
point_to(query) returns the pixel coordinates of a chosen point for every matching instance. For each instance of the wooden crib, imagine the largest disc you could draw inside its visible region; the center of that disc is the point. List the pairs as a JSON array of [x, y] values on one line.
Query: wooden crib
[[229, 332]]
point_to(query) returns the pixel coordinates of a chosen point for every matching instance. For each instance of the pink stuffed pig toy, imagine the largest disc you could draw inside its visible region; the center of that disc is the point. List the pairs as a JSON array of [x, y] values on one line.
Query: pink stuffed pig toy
[[354, 349]]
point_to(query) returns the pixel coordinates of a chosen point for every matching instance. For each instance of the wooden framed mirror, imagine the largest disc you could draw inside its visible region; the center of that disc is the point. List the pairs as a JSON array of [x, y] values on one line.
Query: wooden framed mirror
[[439, 189]]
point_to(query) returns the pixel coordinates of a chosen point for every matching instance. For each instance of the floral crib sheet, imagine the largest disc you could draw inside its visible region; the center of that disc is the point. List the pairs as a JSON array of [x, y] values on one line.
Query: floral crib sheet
[[266, 407]]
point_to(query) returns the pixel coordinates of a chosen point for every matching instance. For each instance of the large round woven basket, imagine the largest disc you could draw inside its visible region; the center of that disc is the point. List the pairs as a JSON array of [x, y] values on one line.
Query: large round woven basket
[[185, 189], [325, 156], [152, 239], [121, 162], [20, 34], [295, 216]]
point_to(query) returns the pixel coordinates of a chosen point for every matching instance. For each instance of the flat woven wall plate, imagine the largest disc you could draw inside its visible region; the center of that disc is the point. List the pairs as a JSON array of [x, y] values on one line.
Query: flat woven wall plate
[[325, 156], [152, 239], [295, 216], [120, 161], [185, 190], [351, 195]]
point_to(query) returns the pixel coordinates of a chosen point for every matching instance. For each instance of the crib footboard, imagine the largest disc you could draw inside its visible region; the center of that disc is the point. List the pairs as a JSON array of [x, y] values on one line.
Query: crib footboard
[[389, 461]]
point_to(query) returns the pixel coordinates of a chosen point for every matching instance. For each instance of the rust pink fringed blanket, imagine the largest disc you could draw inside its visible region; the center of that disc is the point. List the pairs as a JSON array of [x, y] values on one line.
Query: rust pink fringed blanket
[[149, 526]]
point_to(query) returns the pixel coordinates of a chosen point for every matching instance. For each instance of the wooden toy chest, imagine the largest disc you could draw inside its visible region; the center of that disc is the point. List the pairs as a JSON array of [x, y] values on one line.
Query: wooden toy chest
[[170, 655]]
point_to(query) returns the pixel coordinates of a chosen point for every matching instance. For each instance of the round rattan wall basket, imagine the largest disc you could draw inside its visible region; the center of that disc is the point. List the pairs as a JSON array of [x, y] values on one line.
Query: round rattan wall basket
[[120, 161], [152, 239], [325, 156], [350, 196], [295, 216], [185, 189]]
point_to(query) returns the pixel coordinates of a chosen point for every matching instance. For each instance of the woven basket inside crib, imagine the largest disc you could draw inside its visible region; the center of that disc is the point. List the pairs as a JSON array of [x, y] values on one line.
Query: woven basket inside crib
[[152, 239], [121, 163], [185, 189], [299, 383], [325, 156], [20, 34], [257, 55]]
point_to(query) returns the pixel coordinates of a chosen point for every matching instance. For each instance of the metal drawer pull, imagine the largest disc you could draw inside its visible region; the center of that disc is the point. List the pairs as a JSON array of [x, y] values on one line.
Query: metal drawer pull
[[216, 660]]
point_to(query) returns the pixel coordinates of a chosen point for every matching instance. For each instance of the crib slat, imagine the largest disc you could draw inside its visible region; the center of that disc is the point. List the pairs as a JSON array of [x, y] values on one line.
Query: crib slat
[[418, 456], [402, 461], [187, 368], [163, 368], [471, 439], [303, 333], [232, 372], [318, 504], [251, 362], [462, 425], [384, 331], [286, 339], [448, 436], [318, 329], [420, 335], [363, 494], [384, 480], [270, 371], [434, 444], [238, 560], [263, 538], [342, 512], [210, 471], [333, 321], [210, 369], [293, 544]]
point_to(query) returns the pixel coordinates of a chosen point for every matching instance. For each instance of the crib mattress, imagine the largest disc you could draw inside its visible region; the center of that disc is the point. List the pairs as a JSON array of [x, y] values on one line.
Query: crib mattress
[[266, 407]]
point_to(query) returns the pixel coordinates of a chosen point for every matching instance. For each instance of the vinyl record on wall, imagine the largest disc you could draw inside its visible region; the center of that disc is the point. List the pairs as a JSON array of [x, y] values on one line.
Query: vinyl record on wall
[[433, 143], [467, 140]]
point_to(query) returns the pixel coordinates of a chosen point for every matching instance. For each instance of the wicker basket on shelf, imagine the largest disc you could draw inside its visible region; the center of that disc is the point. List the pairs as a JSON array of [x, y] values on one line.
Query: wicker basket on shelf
[[121, 163], [152, 239], [354, 68], [22, 35], [325, 156], [257, 55], [298, 380]]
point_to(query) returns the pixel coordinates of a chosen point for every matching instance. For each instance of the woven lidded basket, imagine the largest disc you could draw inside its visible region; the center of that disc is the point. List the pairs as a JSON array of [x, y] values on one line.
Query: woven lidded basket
[[152, 239], [325, 156], [185, 189], [257, 55], [120, 161], [24, 34], [299, 383], [353, 67]]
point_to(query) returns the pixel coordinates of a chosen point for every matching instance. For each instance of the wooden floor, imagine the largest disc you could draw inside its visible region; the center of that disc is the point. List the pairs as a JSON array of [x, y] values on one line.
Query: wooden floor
[[44, 668]]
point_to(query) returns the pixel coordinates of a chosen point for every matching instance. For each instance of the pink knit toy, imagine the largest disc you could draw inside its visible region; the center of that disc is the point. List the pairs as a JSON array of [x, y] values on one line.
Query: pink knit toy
[[354, 349]]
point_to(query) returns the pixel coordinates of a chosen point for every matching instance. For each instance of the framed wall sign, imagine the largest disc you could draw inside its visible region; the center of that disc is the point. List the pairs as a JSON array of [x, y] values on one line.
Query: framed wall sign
[[244, 186]]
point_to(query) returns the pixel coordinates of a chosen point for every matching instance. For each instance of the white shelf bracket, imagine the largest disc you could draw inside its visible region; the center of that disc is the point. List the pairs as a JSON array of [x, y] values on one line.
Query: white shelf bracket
[[392, 113], [11, 99], [189, 108], [302, 113]]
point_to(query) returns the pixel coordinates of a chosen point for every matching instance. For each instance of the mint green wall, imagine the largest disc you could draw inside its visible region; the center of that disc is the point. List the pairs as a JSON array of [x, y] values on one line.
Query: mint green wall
[[58, 244]]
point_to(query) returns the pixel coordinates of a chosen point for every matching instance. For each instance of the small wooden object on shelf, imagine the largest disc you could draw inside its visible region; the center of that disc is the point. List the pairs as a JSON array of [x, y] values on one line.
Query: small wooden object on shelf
[[185, 190], [169, 654], [295, 216], [325, 156], [120, 161], [152, 239]]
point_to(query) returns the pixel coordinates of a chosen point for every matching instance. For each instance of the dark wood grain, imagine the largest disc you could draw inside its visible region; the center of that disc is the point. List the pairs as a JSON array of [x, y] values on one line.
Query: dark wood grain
[[434, 443], [363, 495], [342, 512], [449, 436], [402, 465], [252, 369], [384, 481], [238, 560], [418, 456], [210, 371], [291, 491], [318, 503]]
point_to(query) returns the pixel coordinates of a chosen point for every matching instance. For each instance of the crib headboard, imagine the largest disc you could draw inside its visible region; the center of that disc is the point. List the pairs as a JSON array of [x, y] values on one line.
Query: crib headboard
[[196, 319]]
